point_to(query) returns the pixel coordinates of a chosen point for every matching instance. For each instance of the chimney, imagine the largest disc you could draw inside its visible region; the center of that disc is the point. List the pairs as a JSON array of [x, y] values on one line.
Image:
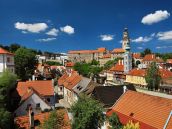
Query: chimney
[[122, 62], [124, 89], [31, 118], [119, 62], [33, 77]]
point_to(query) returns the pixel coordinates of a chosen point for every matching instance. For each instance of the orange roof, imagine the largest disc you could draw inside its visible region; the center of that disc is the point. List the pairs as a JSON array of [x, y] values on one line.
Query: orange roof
[[165, 73], [87, 51], [143, 108], [44, 88], [136, 55], [149, 57], [102, 49], [23, 121], [169, 61], [137, 72], [69, 81], [3, 51], [118, 67], [69, 64], [118, 50]]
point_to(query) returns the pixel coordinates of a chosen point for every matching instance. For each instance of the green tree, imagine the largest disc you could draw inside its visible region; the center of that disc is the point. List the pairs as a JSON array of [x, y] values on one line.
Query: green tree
[[131, 125], [6, 120], [137, 62], [7, 82], [114, 122], [110, 63], [87, 114], [25, 61], [14, 47], [145, 52], [153, 77], [55, 121], [53, 63]]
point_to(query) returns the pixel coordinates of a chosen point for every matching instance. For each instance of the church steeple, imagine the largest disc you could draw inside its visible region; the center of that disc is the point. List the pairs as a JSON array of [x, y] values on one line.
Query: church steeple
[[127, 54], [126, 39]]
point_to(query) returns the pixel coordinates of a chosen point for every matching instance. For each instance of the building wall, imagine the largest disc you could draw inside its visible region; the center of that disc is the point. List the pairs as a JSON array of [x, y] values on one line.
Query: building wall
[[33, 100], [6, 62], [138, 80], [70, 96]]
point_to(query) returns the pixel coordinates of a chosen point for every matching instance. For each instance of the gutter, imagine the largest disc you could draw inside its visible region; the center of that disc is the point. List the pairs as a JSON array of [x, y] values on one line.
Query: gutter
[[168, 119]]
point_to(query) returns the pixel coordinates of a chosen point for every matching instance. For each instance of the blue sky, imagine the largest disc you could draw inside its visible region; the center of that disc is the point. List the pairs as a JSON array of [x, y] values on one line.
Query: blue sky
[[62, 25]]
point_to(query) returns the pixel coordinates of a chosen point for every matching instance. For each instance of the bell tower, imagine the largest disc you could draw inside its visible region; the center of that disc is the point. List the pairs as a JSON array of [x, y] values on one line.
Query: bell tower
[[127, 54], [125, 39]]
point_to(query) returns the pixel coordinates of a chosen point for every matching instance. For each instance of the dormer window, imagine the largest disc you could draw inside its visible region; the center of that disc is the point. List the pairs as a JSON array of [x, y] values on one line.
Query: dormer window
[[8, 59]]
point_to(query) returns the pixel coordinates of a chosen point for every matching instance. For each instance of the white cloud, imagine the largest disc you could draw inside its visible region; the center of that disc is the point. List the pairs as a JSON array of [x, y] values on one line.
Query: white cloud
[[34, 28], [68, 29], [46, 40], [107, 37], [164, 35], [140, 48], [163, 47], [142, 39], [53, 32], [155, 17]]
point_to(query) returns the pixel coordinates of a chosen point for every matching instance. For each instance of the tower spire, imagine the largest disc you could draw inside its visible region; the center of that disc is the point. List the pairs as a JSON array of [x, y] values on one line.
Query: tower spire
[[126, 39]]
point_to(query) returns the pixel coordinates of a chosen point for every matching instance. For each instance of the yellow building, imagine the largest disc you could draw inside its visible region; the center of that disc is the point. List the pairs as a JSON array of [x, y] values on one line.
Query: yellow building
[[137, 77]]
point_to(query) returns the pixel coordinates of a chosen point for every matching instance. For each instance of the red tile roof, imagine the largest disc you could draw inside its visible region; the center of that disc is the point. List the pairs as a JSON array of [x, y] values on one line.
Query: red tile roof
[[142, 72], [136, 55], [87, 51], [69, 81], [118, 50], [169, 61], [3, 51], [69, 64], [165, 73], [151, 111], [152, 57], [23, 121], [137, 72], [119, 67], [44, 88]]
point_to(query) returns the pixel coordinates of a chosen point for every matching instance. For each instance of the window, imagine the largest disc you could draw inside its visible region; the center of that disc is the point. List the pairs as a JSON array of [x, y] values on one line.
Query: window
[[37, 105], [48, 99], [8, 59], [61, 88]]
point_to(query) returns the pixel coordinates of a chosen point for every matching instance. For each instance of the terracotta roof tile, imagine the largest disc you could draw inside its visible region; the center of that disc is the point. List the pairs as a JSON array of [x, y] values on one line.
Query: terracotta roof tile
[[118, 50], [149, 57], [69, 80], [169, 61], [118, 67], [151, 110], [136, 55], [3, 51], [69, 64], [137, 72], [44, 88], [23, 121]]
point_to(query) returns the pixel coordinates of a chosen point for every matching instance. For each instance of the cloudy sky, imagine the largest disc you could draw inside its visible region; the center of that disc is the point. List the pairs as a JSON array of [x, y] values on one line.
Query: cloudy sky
[[62, 25]]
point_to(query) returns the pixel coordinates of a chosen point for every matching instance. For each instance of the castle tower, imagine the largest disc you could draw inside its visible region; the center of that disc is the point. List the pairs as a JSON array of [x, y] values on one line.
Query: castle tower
[[127, 54], [125, 39]]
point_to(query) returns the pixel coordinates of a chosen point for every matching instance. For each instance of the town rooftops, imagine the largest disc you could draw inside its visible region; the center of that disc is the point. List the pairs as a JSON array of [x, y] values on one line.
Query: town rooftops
[[69, 64], [69, 80], [137, 72], [108, 95], [119, 67], [23, 121], [169, 61], [149, 57], [150, 111], [118, 50], [136, 55], [99, 50], [44, 88], [3, 51]]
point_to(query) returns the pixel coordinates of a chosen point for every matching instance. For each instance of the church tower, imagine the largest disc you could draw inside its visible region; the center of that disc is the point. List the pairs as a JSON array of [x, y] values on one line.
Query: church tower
[[125, 39], [127, 54]]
